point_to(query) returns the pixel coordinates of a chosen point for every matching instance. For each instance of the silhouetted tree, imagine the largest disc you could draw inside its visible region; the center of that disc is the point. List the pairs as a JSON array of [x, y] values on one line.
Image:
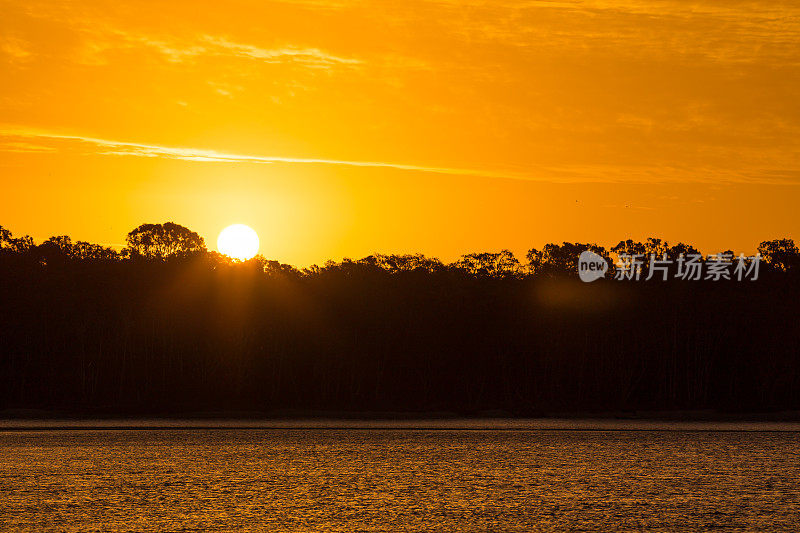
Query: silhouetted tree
[[22, 244], [675, 251], [403, 263], [275, 268], [499, 264], [561, 259], [5, 238], [780, 254], [88, 251], [655, 247], [161, 241], [631, 247], [56, 249]]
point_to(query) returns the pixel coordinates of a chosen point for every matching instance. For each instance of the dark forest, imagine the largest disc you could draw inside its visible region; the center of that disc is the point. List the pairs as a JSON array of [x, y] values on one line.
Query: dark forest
[[165, 327]]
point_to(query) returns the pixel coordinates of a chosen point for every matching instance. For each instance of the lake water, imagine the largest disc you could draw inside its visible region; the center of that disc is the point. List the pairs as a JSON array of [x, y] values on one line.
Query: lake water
[[371, 477]]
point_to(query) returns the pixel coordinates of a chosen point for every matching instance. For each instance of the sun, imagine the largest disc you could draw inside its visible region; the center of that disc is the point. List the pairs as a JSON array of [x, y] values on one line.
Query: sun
[[238, 241]]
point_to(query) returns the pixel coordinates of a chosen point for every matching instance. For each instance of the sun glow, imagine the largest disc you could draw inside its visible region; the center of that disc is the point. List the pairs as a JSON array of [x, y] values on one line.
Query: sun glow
[[238, 241]]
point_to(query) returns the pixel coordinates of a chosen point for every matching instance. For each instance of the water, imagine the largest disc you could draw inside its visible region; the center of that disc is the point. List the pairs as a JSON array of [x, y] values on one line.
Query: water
[[297, 478]]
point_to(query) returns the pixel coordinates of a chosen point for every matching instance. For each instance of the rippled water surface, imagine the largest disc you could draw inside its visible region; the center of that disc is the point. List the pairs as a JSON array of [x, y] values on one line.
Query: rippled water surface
[[348, 479]]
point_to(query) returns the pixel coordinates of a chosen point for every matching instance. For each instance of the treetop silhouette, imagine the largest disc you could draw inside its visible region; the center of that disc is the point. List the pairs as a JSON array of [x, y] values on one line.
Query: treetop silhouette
[[171, 241], [162, 241]]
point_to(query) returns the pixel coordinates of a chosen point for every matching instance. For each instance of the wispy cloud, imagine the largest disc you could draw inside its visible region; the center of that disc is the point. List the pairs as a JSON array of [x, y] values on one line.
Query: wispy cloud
[[27, 140], [100, 34], [24, 147], [307, 56], [16, 49], [122, 148], [179, 50]]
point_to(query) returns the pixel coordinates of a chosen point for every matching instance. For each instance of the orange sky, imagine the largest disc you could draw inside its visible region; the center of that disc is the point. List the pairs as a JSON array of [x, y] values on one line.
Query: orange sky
[[344, 128]]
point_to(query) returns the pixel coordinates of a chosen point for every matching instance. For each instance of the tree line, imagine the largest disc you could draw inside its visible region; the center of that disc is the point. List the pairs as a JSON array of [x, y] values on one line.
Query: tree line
[[165, 326], [170, 242]]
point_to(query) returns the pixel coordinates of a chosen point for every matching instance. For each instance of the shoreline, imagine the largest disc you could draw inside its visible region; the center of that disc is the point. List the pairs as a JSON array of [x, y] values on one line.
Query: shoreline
[[776, 422], [696, 415]]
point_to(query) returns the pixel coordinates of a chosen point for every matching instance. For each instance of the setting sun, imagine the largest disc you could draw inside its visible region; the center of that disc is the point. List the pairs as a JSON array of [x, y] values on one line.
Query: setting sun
[[238, 241]]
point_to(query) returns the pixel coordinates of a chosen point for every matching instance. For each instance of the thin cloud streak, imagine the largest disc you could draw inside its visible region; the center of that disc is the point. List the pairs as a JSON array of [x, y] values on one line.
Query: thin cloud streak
[[122, 148], [177, 51], [99, 35], [308, 56], [561, 174]]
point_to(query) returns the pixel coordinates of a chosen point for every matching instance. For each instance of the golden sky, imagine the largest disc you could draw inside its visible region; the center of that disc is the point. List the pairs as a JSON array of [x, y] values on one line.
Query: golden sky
[[340, 128]]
